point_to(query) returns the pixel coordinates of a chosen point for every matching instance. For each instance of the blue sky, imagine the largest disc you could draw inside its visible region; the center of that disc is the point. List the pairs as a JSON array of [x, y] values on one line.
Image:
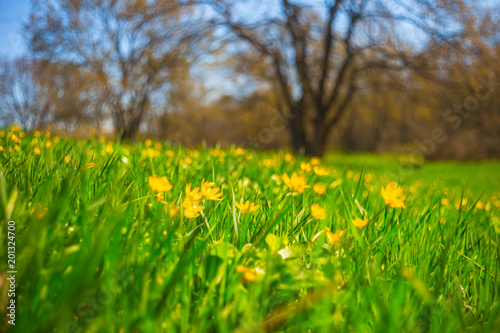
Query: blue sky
[[13, 14]]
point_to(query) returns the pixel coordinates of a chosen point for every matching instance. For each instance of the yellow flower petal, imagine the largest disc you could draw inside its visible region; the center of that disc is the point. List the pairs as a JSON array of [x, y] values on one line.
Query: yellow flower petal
[[360, 223]]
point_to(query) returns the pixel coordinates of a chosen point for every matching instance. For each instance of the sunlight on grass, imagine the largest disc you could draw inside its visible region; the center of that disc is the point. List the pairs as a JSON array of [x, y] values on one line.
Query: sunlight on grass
[[157, 238]]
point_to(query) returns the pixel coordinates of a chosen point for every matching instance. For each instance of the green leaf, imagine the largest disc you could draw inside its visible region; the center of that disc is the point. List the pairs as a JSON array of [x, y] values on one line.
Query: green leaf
[[274, 242]]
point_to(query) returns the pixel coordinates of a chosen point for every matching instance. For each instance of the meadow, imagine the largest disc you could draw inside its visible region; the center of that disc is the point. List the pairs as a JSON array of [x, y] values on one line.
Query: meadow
[[153, 237]]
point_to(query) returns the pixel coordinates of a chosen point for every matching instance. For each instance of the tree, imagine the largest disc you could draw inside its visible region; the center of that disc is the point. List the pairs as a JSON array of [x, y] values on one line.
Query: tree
[[23, 100], [76, 97], [319, 54], [131, 52]]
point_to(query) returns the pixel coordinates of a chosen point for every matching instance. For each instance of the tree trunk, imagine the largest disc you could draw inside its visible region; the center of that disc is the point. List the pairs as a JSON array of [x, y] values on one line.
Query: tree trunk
[[301, 144], [317, 146], [129, 133], [296, 127], [128, 127]]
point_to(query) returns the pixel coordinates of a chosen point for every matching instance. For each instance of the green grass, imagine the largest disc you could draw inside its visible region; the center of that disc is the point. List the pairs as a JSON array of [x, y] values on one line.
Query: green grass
[[96, 252]]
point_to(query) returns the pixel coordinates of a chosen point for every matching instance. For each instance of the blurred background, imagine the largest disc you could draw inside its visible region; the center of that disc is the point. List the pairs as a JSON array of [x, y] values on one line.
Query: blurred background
[[418, 77]]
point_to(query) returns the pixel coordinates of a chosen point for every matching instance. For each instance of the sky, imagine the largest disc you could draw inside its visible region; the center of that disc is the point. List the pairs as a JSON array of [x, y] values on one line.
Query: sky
[[13, 15]]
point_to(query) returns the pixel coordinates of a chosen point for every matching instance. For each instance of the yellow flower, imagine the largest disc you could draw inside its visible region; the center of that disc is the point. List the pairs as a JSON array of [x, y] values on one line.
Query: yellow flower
[[305, 166], [289, 157], [249, 275], [36, 134], [480, 205], [194, 193], [14, 128], [295, 183], [360, 223], [37, 150], [109, 149], [150, 152], [38, 211], [188, 160], [334, 238], [210, 193], [47, 134], [90, 165], [2, 148], [239, 151], [17, 148], [393, 196], [148, 142], [48, 144], [67, 159], [464, 203], [172, 209], [269, 162], [194, 211], [159, 184], [445, 202], [320, 171], [247, 207], [318, 212], [315, 161], [320, 189], [15, 138], [191, 202]]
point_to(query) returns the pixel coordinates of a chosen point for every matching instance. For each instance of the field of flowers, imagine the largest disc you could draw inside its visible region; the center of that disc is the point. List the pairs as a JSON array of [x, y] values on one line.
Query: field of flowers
[[152, 237]]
